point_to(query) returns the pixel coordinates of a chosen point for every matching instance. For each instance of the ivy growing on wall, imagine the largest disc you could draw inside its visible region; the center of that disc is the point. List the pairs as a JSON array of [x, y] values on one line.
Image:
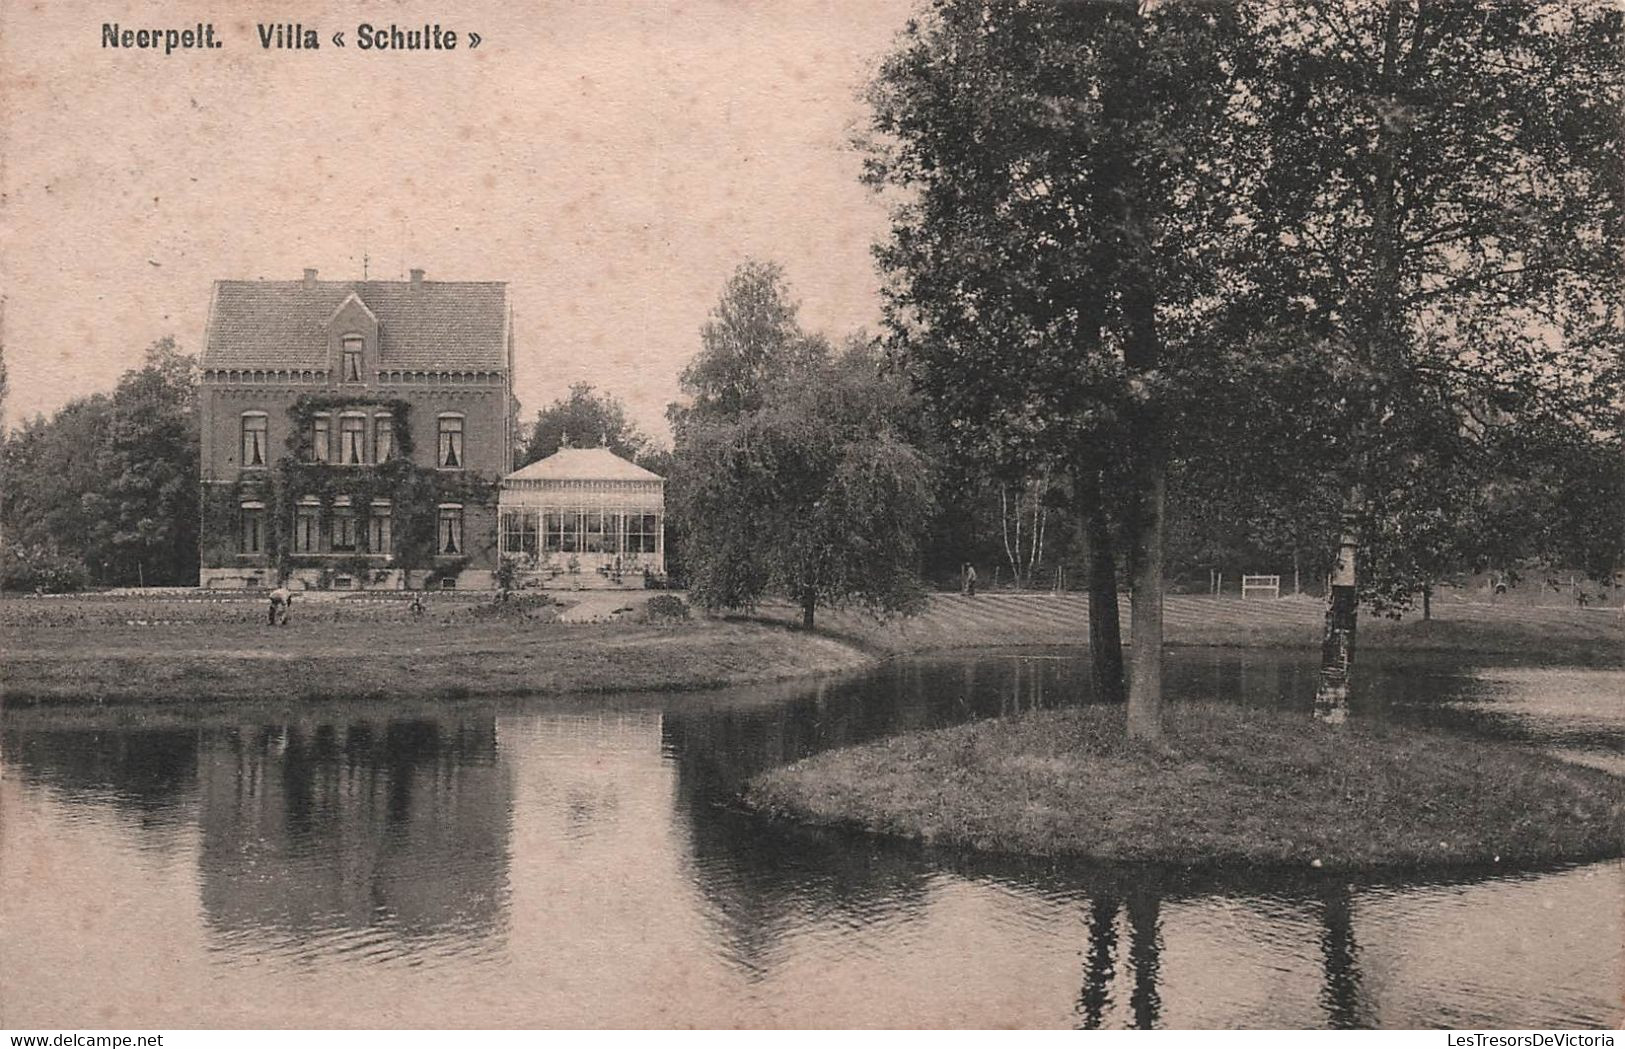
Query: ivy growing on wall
[[414, 493], [305, 408]]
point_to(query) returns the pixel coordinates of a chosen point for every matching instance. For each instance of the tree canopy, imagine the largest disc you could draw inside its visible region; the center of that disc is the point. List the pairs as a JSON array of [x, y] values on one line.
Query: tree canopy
[[1180, 239], [1432, 201], [799, 480], [751, 342], [106, 490], [587, 419], [1054, 250]]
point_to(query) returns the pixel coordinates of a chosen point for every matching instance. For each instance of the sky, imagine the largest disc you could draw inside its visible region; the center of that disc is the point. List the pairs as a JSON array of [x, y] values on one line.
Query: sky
[[614, 161]]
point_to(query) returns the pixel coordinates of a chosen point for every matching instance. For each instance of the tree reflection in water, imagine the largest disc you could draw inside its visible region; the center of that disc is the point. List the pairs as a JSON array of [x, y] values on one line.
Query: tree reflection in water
[[1100, 964], [1145, 945], [316, 828], [1143, 906], [1340, 995], [1139, 897], [345, 841]]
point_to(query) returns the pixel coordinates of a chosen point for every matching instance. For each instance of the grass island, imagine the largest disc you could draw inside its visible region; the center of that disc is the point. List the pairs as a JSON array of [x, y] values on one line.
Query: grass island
[[1228, 787]]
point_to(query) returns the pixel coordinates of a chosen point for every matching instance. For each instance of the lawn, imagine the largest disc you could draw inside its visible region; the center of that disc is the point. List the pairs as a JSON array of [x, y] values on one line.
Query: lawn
[[203, 646], [100, 649], [1490, 627]]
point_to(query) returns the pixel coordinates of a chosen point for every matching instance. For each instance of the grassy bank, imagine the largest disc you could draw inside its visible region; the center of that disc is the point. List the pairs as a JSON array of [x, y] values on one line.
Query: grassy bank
[[1589, 636], [1232, 787], [110, 651], [203, 647]]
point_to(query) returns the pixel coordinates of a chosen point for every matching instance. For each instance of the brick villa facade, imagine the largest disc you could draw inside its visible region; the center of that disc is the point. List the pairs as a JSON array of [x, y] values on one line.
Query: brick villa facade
[[354, 433]]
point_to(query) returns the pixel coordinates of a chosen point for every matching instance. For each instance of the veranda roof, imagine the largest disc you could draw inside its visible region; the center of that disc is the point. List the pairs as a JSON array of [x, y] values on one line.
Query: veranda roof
[[583, 464]]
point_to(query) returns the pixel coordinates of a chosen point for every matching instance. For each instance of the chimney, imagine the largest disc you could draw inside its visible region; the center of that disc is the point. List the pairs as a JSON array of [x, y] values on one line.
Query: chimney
[[417, 278], [310, 277]]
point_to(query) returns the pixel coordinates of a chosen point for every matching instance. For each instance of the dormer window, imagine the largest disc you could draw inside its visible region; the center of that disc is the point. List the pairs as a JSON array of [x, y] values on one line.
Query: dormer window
[[350, 358]]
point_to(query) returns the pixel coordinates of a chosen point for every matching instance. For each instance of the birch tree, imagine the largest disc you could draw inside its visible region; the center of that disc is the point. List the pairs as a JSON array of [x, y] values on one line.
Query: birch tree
[[1438, 207]]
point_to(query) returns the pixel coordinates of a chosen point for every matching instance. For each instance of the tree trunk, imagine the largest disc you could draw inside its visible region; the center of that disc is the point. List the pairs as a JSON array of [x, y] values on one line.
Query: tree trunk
[[809, 600], [1142, 353], [1105, 634], [1012, 556], [1040, 518], [1145, 603], [1337, 646], [1135, 199], [1427, 603], [1376, 319]]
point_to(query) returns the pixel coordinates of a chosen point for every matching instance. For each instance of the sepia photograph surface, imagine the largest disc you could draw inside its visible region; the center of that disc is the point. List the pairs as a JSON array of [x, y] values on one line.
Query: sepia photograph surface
[[816, 514]]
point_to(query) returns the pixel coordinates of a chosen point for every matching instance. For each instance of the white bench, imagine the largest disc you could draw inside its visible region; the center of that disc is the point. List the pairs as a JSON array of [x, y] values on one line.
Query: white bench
[[1262, 583]]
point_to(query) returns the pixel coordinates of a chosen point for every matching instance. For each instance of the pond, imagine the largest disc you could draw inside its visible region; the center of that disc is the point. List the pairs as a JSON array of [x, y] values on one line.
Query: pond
[[575, 864]]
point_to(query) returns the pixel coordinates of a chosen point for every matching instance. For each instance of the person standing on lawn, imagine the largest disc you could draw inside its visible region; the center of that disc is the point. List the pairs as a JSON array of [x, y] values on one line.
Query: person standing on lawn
[[281, 601]]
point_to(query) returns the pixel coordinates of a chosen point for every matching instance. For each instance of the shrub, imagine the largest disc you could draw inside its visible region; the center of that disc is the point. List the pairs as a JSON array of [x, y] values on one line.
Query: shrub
[[665, 608], [37, 568], [510, 568]]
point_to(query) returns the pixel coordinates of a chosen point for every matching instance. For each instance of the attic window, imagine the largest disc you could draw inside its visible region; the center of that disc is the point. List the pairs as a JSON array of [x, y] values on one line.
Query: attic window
[[350, 364]]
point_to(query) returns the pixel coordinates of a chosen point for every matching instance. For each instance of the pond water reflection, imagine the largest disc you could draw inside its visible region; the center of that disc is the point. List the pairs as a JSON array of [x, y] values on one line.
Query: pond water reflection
[[576, 864]]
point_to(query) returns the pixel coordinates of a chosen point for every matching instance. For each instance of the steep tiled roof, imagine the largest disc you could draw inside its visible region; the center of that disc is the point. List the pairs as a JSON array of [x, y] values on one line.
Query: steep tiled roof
[[582, 464], [283, 323]]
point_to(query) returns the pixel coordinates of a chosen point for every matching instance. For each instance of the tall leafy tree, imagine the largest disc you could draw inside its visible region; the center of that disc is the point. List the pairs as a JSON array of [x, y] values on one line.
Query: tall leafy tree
[[795, 471], [817, 496], [1436, 193], [749, 344], [587, 419], [145, 515], [1061, 190], [50, 466], [110, 483]]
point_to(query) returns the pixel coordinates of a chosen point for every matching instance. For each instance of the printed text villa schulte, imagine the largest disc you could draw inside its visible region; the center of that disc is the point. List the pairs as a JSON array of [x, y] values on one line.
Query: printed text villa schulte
[[281, 36]]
